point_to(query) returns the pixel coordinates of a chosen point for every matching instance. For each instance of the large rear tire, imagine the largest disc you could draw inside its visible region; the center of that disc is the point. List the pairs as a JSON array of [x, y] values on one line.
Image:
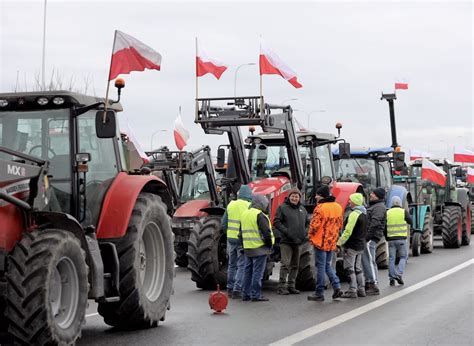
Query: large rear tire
[[416, 244], [427, 235], [207, 256], [47, 288], [452, 226], [381, 254], [466, 226], [146, 267], [306, 279], [472, 218]]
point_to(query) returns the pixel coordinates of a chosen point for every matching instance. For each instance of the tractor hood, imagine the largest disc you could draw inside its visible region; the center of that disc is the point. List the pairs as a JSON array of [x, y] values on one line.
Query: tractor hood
[[270, 186], [192, 209]]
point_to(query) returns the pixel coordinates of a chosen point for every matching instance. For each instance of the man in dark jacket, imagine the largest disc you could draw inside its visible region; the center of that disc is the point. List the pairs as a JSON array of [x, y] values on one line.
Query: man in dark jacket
[[292, 222], [376, 222], [397, 232], [258, 239], [353, 240]]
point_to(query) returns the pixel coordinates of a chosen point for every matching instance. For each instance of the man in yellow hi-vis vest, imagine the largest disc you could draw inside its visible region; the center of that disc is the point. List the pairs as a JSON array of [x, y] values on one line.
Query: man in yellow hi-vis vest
[[258, 240], [398, 228], [235, 254]]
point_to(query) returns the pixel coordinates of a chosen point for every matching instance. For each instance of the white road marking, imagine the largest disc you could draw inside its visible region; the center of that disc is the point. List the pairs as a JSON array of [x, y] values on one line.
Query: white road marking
[[92, 315], [312, 331]]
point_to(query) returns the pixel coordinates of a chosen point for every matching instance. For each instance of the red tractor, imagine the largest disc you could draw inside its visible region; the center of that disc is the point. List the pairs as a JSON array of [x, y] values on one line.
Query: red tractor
[[277, 160], [75, 224]]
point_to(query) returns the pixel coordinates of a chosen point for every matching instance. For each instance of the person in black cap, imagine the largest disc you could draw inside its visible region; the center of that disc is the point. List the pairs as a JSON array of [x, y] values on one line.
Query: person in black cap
[[376, 223]]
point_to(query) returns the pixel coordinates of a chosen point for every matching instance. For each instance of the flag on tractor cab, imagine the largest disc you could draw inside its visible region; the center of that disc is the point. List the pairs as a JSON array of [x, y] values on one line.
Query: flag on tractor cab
[[470, 175], [271, 63], [463, 155], [401, 86], [181, 135], [130, 54], [431, 172], [206, 64], [418, 154]]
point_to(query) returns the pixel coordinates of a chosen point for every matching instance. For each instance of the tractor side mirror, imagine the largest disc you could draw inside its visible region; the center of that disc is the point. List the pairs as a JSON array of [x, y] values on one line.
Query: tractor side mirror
[[398, 161], [459, 172], [344, 150], [220, 157], [105, 124]]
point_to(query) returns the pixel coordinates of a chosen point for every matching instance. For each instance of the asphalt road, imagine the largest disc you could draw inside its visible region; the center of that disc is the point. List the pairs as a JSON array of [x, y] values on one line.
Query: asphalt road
[[439, 313]]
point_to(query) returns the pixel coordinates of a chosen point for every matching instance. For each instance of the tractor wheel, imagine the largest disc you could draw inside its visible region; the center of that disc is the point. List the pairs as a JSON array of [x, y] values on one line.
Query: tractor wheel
[[452, 226], [207, 256], [181, 250], [466, 226], [146, 267], [46, 288], [416, 244], [427, 235], [306, 278], [381, 254], [472, 218]]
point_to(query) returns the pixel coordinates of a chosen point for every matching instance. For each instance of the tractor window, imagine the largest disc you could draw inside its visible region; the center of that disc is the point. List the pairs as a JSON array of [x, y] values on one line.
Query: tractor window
[[266, 161], [358, 170], [194, 186], [325, 157], [102, 165], [385, 175]]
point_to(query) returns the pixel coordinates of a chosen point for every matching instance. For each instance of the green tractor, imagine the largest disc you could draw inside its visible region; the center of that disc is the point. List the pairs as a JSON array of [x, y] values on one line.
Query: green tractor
[[450, 205]]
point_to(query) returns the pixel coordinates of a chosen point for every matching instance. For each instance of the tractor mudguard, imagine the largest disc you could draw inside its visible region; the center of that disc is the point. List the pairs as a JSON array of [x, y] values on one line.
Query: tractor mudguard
[[214, 211], [191, 209], [462, 197], [423, 210], [120, 200], [396, 190], [342, 191]]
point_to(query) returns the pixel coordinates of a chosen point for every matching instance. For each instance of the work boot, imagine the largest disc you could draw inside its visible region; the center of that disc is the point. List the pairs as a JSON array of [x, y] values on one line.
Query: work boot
[[283, 291], [361, 293], [337, 293], [371, 289], [392, 282], [399, 280], [261, 299], [229, 293], [293, 290], [349, 294], [316, 298], [236, 294]]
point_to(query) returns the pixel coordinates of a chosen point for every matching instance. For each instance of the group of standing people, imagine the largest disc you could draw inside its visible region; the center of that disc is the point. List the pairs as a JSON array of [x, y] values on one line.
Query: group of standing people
[[251, 237]]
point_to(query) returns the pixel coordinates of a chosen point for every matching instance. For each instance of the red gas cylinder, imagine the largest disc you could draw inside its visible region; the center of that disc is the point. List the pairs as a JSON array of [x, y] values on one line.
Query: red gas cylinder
[[218, 300]]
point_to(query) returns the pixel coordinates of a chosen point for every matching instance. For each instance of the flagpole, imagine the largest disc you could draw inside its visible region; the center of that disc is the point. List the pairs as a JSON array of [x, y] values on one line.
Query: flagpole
[[197, 84], [261, 79], [108, 79]]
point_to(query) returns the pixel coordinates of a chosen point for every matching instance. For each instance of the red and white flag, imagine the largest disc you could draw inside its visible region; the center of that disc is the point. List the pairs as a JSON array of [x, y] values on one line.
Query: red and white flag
[[270, 63], [402, 85], [470, 175], [431, 172], [463, 155], [206, 64], [127, 131], [418, 154], [130, 54], [181, 135]]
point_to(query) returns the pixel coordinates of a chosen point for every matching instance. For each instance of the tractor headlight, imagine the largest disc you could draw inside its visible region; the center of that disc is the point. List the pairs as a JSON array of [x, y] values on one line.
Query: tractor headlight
[[58, 100], [3, 103], [42, 101]]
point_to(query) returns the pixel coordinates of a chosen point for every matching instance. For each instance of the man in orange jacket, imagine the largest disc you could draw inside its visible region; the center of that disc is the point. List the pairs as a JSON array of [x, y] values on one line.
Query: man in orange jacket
[[323, 234]]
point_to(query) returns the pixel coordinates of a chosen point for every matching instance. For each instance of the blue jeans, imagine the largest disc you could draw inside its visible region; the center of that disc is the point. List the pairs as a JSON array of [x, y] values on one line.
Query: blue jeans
[[394, 247], [253, 275], [236, 260], [369, 262], [323, 265]]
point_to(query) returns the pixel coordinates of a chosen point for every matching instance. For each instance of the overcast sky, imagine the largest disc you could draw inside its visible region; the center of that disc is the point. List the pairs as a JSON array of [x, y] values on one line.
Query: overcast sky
[[345, 54]]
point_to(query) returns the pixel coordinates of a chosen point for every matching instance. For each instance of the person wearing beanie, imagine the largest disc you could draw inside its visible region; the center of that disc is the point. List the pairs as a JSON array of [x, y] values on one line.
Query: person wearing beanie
[[353, 240], [231, 226], [396, 233], [291, 222], [323, 234], [376, 222]]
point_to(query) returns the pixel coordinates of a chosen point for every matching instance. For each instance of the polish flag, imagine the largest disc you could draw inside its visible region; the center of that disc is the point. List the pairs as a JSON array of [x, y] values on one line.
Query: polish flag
[[403, 85], [270, 63], [431, 172], [470, 175], [205, 64], [133, 144], [418, 154], [181, 135], [463, 155], [129, 54]]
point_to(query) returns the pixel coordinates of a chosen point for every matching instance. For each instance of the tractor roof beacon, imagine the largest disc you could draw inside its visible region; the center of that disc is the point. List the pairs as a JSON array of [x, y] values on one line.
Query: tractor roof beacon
[[76, 222]]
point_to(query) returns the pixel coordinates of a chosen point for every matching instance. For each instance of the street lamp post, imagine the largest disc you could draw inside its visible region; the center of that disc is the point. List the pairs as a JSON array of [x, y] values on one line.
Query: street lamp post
[[308, 114], [153, 135], [235, 77], [289, 99]]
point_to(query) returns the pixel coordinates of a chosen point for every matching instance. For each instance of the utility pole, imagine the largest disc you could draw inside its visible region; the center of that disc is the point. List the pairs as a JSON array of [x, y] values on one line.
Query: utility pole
[[44, 49]]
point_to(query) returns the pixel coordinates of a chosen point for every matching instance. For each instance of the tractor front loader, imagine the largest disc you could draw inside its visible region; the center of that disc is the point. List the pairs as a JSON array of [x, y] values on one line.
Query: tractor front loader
[[75, 224]]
